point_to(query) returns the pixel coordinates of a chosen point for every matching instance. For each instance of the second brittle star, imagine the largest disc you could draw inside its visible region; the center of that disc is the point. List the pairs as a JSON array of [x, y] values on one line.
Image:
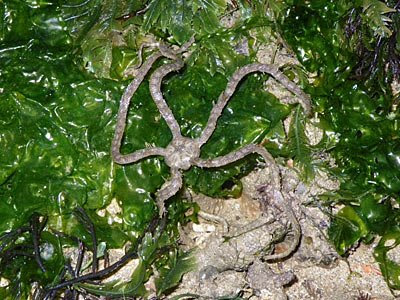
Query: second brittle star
[[182, 153]]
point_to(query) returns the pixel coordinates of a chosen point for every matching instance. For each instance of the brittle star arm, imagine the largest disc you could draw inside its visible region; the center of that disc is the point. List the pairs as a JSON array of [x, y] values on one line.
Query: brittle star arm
[[239, 154], [165, 50], [168, 189], [138, 155], [224, 97], [126, 97], [287, 207], [276, 194], [155, 84], [122, 114], [156, 94]]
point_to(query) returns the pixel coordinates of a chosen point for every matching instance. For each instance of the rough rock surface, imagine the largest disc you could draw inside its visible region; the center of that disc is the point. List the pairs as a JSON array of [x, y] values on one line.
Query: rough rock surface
[[228, 267]]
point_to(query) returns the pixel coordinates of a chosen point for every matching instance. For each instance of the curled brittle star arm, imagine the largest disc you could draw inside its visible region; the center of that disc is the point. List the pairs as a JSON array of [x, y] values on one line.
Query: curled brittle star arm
[[287, 207], [167, 51], [124, 105], [169, 189], [224, 97], [131, 89], [275, 187], [157, 77], [140, 55], [239, 154], [155, 90], [186, 45]]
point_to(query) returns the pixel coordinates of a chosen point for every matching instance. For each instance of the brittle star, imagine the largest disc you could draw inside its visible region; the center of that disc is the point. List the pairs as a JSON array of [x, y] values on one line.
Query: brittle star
[[182, 153]]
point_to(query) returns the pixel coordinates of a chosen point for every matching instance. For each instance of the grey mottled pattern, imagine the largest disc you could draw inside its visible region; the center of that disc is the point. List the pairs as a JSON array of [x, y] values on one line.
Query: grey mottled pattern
[[182, 152]]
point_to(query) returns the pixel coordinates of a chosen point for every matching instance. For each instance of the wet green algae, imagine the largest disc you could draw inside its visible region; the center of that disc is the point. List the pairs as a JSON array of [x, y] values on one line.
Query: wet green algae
[[62, 75], [57, 119], [360, 119]]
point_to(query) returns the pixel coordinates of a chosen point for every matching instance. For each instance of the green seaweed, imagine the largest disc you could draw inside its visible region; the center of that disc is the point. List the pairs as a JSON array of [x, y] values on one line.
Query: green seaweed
[[360, 114], [171, 274], [66, 64], [58, 104], [298, 145]]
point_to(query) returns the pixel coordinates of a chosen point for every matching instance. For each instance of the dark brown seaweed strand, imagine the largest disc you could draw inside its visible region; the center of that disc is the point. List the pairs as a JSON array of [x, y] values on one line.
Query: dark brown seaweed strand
[[42, 224], [100, 274], [21, 249], [35, 226], [12, 235], [377, 51], [89, 226], [69, 268], [106, 259], [65, 236], [81, 252], [50, 295], [384, 52], [394, 58], [8, 255], [70, 293], [131, 254]]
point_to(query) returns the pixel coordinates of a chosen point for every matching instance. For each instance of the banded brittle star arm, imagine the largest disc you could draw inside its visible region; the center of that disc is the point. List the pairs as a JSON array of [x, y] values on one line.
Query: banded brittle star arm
[[275, 188], [169, 189], [224, 97], [164, 51], [155, 90], [122, 114], [239, 154], [156, 80], [285, 204]]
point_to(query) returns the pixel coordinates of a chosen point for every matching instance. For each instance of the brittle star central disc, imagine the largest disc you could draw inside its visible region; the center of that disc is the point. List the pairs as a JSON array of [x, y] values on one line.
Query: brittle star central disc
[[182, 152]]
